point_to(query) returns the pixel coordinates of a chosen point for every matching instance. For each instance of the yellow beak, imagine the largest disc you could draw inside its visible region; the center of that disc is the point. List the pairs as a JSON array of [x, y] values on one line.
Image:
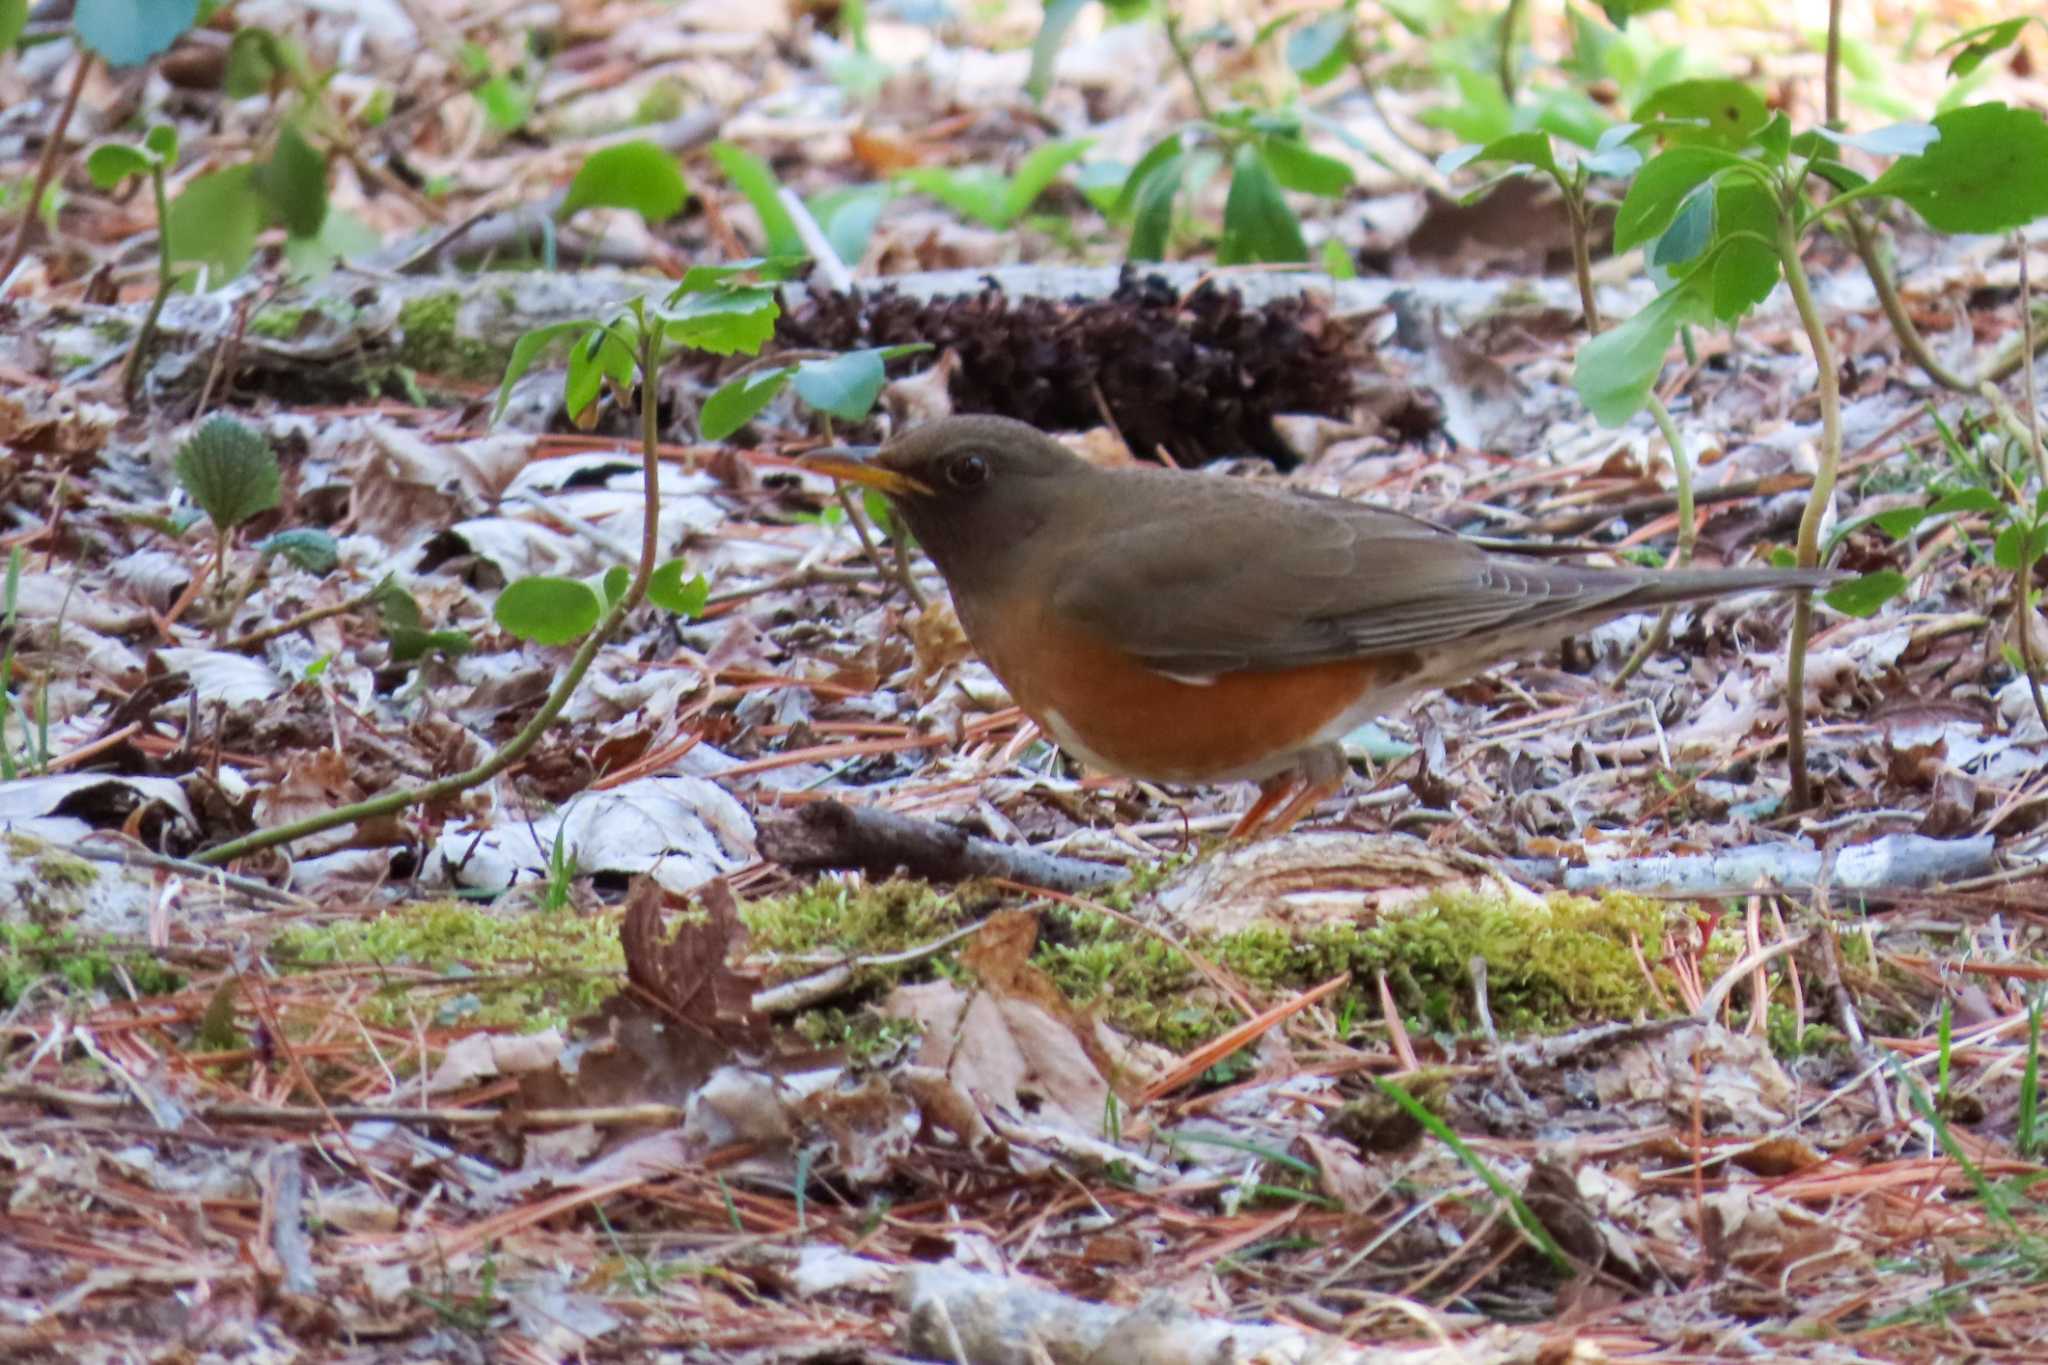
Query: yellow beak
[[851, 464]]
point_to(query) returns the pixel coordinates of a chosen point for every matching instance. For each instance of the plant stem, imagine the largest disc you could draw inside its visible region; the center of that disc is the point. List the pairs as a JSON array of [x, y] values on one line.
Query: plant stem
[[390, 803], [1688, 534], [46, 165], [1510, 20], [1187, 63], [145, 337], [1833, 80], [1582, 252], [1910, 340], [1818, 500]]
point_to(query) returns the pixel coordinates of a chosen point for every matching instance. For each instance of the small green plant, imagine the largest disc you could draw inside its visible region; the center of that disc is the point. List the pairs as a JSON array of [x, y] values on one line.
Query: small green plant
[[231, 473], [988, 196], [507, 97], [638, 176], [845, 216], [111, 163], [35, 742], [1264, 153]]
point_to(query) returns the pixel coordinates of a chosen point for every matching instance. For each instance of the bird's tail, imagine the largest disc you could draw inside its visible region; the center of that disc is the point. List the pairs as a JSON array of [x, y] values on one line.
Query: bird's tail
[[1656, 588]]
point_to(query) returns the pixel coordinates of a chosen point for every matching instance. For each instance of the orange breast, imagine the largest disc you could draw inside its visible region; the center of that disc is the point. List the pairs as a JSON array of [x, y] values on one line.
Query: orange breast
[[1113, 712]]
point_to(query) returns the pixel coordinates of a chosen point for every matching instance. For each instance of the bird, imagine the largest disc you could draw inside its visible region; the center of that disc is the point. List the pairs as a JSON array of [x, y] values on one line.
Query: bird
[[1190, 628]]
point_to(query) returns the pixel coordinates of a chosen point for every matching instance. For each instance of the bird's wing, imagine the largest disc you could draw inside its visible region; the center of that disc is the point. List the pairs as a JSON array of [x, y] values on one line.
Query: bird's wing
[[1272, 579]]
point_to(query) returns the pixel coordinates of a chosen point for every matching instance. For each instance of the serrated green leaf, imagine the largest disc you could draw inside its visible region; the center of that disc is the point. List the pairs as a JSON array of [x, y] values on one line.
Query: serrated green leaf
[[1727, 113], [1318, 51], [1257, 224], [229, 470], [1298, 168], [130, 32], [755, 180], [308, 547], [1863, 596], [735, 403], [547, 610], [294, 181], [1615, 370], [1984, 175], [1036, 173], [845, 386], [214, 222], [1660, 187], [112, 162], [670, 591], [723, 323], [638, 176]]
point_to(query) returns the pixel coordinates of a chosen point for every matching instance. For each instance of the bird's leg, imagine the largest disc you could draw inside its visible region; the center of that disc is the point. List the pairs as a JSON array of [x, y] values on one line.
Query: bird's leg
[[1272, 792], [1320, 774]]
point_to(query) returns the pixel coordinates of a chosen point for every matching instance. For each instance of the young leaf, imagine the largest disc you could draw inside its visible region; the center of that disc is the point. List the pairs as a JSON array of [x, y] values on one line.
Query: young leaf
[[229, 470], [848, 216], [1724, 113], [1615, 370], [1979, 43], [2019, 547], [1894, 139], [1164, 152], [1689, 232], [1298, 168], [723, 323], [670, 591], [13, 19], [1036, 173], [112, 162], [1516, 149], [612, 584], [215, 220], [1059, 17], [970, 191], [1863, 596], [410, 643], [633, 175], [1337, 262], [527, 349], [1983, 176], [548, 611], [1152, 206], [308, 547], [603, 354], [1746, 265], [735, 403], [130, 32], [1257, 224], [1660, 187], [845, 386], [1318, 51], [294, 180], [756, 181]]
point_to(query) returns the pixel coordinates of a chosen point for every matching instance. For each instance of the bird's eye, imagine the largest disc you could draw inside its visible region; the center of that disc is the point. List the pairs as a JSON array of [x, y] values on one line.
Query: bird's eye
[[967, 471]]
